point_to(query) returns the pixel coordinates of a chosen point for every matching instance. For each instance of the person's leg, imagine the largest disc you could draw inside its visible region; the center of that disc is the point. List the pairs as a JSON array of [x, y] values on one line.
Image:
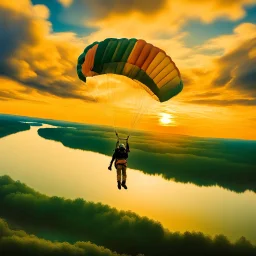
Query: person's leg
[[118, 172], [124, 176]]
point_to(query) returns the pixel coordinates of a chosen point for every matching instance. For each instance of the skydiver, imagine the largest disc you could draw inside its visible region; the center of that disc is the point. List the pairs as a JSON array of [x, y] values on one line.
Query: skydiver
[[120, 156]]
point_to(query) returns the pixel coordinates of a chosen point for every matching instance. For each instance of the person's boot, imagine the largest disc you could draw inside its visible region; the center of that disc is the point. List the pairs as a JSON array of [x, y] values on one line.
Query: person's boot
[[119, 184], [123, 184]]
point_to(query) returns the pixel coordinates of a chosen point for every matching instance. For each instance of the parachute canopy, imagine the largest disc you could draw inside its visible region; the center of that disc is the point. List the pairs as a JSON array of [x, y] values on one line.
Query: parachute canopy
[[133, 58]]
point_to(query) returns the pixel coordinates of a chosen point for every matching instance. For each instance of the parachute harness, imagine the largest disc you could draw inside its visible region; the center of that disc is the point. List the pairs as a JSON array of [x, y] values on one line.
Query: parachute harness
[[119, 138]]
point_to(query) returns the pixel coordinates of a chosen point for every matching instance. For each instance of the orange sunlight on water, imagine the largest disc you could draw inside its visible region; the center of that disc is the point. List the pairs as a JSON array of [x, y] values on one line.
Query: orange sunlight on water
[[74, 173]]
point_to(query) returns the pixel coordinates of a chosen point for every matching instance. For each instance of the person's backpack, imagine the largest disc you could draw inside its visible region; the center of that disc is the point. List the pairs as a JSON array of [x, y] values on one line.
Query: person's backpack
[[121, 153]]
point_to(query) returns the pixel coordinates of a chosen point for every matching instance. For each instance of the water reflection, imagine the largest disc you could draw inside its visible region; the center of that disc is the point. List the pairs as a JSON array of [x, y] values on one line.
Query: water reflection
[[53, 169], [205, 162]]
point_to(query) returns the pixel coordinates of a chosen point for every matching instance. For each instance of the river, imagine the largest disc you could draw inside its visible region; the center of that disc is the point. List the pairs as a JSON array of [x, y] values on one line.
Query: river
[[53, 169]]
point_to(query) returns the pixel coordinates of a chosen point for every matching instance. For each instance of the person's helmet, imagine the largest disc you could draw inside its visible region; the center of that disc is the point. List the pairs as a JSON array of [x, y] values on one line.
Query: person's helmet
[[122, 146]]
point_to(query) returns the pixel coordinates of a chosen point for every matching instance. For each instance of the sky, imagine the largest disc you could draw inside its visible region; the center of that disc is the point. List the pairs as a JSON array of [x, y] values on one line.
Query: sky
[[213, 43]]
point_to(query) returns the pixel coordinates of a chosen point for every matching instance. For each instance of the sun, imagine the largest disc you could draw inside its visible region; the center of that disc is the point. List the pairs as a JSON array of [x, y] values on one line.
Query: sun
[[166, 119]]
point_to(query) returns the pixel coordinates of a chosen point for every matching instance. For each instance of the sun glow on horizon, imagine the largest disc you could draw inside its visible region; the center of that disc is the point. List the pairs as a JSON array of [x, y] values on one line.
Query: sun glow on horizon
[[166, 119]]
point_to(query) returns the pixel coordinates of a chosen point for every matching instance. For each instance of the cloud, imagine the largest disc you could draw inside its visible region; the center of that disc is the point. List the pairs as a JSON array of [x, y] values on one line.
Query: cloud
[[120, 231], [44, 62], [217, 102], [41, 11], [208, 11], [65, 3], [161, 27], [237, 69], [176, 13], [200, 70], [229, 42], [21, 243], [207, 94], [9, 95], [32, 55], [227, 79], [232, 80], [13, 90], [80, 11], [202, 161]]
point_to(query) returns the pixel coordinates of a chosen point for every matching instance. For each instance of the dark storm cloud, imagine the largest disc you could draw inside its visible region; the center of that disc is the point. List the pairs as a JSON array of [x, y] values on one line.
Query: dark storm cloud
[[217, 102], [29, 57], [237, 70], [10, 95], [235, 74], [79, 220], [207, 94], [15, 31], [81, 10], [187, 80], [202, 161], [60, 89]]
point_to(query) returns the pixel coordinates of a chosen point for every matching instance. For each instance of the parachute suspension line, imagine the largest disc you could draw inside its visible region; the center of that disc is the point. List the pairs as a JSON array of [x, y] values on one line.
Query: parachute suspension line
[[105, 108], [137, 105], [112, 113], [114, 100], [87, 59], [139, 114], [140, 111], [96, 92]]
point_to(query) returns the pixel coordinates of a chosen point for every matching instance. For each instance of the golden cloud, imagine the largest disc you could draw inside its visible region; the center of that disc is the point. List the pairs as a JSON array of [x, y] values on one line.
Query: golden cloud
[[65, 3], [41, 11], [43, 63], [32, 54], [208, 11], [159, 16], [23, 7], [228, 43]]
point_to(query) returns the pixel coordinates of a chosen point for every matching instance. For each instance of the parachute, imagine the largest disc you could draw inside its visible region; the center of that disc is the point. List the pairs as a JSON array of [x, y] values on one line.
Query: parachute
[[149, 66]]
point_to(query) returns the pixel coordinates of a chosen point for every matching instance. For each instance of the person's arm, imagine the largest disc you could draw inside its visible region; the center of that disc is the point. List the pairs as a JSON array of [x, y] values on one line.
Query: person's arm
[[127, 146], [117, 143], [112, 160]]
